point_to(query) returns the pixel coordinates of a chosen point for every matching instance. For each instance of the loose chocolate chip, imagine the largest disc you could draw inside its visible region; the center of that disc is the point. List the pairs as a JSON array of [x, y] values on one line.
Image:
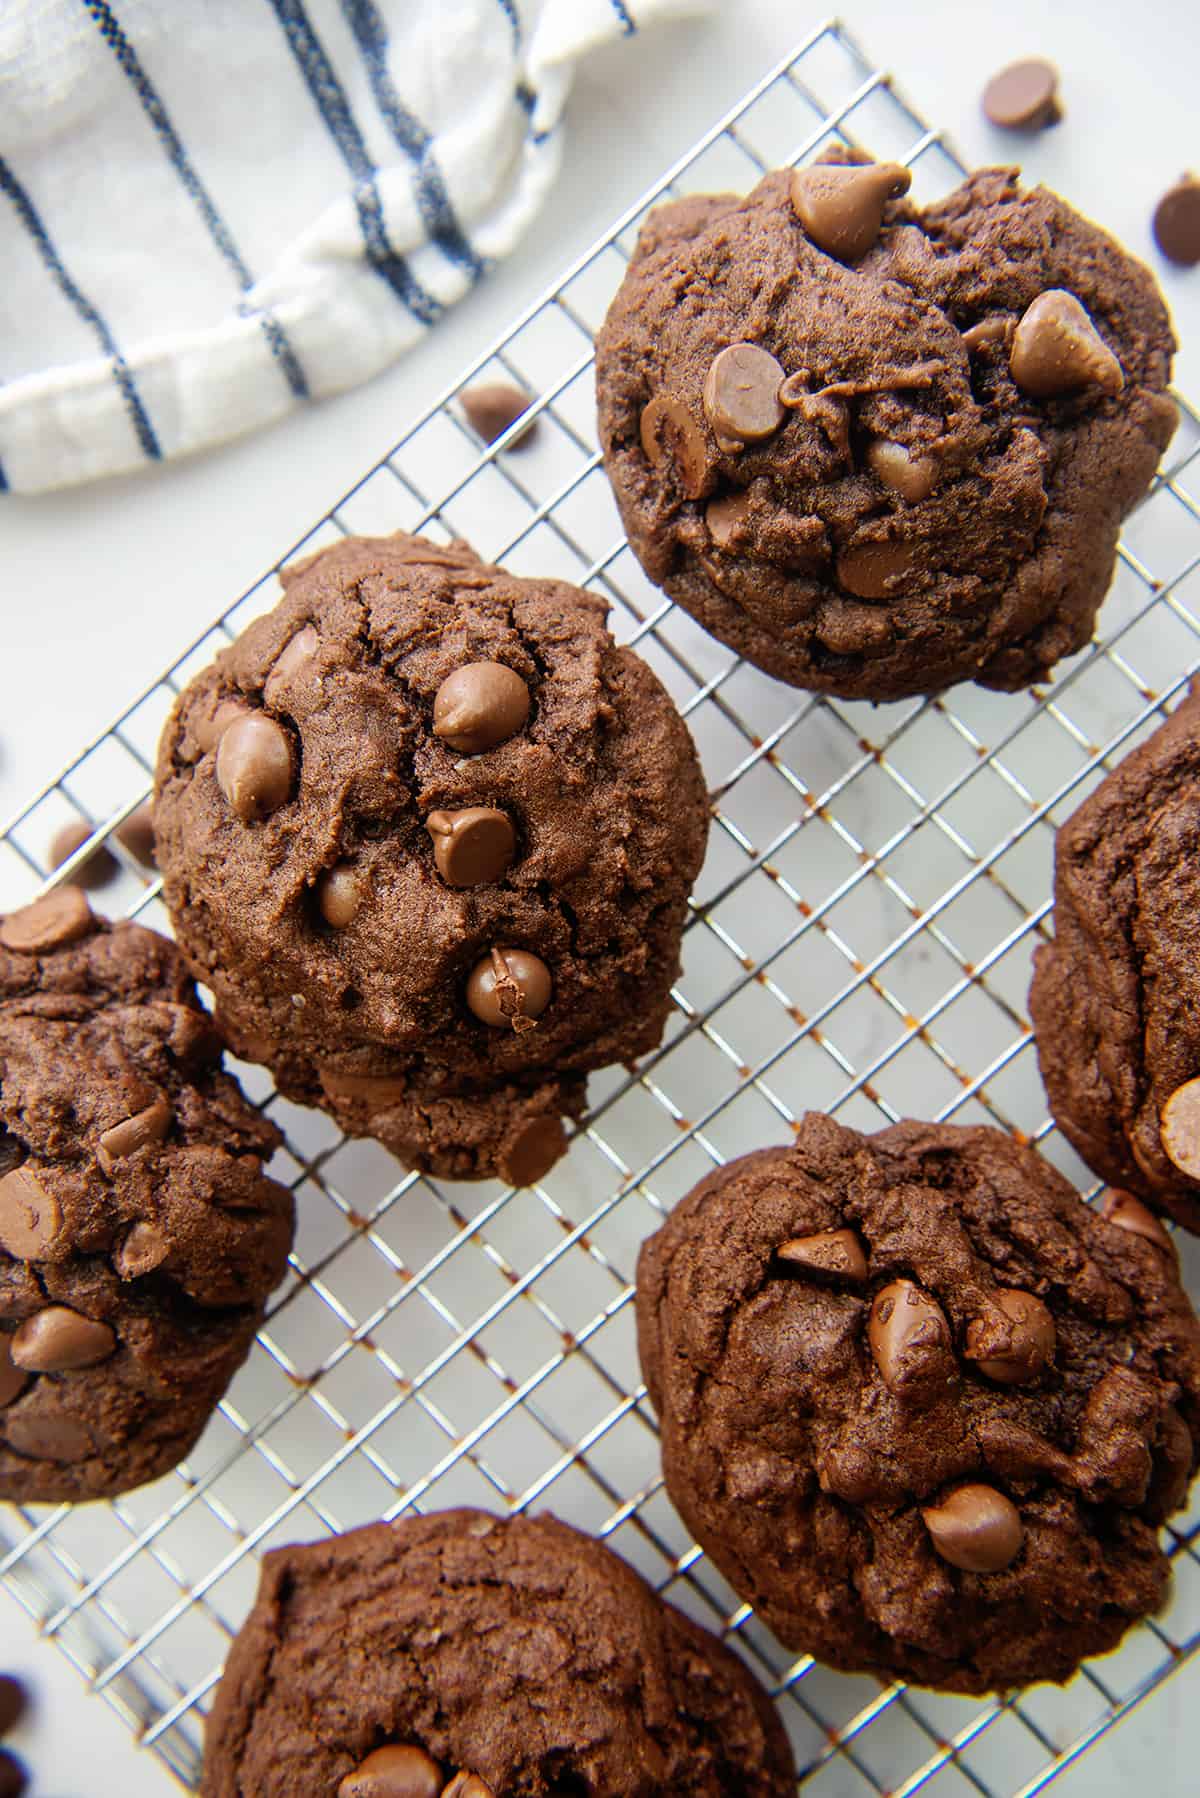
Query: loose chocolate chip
[[509, 986], [1127, 1213], [58, 917], [137, 835], [145, 1248], [870, 569], [533, 1151], [840, 205], [912, 477], [1056, 349], [210, 725], [58, 1340], [835, 1252], [493, 406], [14, 1775], [133, 1133], [1013, 1351], [1176, 223], [12, 1378], [468, 1785], [96, 869], [394, 1772], [975, 1528], [340, 892], [292, 666], [254, 766], [910, 1340], [47, 1435], [725, 516], [30, 1217], [378, 1092], [1180, 1128], [13, 1701], [1024, 96], [741, 395], [668, 429], [472, 847], [480, 706]]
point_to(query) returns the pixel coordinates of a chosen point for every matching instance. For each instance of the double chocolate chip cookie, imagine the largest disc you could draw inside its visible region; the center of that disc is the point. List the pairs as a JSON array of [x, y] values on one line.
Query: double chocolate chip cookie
[[461, 1656], [925, 1410], [139, 1236], [877, 449], [1116, 997], [428, 834]]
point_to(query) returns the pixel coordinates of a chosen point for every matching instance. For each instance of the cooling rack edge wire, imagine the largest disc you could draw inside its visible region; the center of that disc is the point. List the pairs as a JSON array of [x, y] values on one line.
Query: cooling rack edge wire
[[858, 942]]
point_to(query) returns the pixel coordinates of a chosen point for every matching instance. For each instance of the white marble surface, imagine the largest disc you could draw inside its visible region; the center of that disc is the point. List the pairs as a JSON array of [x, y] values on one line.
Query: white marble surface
[[101, 587]]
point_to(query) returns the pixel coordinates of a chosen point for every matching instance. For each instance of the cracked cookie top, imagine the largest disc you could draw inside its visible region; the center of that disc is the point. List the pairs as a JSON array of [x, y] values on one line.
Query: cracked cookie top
[[139, 1236], [459, 1655], [923, 1407], [878, 449], [428, 834]]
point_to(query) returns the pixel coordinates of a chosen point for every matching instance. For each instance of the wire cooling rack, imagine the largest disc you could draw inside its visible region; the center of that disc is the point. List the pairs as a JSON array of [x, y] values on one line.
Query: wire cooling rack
[[859, 942]]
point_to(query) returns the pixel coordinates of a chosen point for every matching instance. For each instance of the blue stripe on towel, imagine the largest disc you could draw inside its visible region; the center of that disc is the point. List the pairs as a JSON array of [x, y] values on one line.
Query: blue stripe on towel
[[156, 112], [509, 9], [436, 209], [83, 306], [628, 25], [3, 479], [334, 107]]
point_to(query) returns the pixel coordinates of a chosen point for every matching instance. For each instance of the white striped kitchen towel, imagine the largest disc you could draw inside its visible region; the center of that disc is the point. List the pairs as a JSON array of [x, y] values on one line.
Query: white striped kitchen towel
[[212, 211]]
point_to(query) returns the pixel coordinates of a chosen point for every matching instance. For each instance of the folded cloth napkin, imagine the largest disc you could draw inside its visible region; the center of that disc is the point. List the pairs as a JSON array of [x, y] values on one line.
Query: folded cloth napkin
[[213, 211]]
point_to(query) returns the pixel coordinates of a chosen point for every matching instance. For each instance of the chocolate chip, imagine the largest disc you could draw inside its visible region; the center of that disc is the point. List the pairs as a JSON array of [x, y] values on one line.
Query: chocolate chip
[[292, 666], [133, 1133], [394, 1772], [468, 1785], [725, 516], [13, 1702], [1179, 1124], [378, 1092], [509, 986], [480, 706], [668, 430], [910, 1340], [1056, 349], [137, 835], [209, 726], [1127, 1213], [14, 1775], [840, 205], [472, 847], [1176, 223], [912, 477], [975, 1528], [58, 1340], [98, 867], [493, 406], [532, 1152], [145, 1248], [835, 1252], [46, 1435], [1012, 1349], [870, 569], [58, 917], [254, 766], [1024, 96], [12, 1378], [741, 395], [988, 331], [340, 892], [30, 1217]]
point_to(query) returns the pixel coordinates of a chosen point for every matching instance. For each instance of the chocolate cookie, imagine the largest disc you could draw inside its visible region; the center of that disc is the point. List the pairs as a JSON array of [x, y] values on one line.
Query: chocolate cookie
[[461, 1656], [139, 1236], [924, 1409], [878, 450], [1116, 997], [428, 835]]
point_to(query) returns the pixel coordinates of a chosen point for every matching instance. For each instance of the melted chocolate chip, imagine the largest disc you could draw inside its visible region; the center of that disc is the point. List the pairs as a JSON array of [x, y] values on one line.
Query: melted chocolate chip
[[975, 1528], [741, 395], [58, 917], [509, 987], [1056, 349], [840, 205], [254, 766], [480, 706]]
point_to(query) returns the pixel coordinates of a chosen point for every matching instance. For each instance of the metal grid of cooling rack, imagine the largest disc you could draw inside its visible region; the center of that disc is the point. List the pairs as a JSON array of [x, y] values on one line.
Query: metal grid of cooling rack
[[859, 942]]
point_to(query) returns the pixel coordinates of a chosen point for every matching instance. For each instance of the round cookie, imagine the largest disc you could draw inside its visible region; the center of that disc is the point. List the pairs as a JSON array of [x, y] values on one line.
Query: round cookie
[[139, 1236], [1115, 998], [922, 1406], [876, 449], [428, 834], [478, 1658]]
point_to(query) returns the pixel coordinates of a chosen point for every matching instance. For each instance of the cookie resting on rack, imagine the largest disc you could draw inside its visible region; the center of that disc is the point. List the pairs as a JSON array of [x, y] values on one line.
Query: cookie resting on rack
[[428, 834], [923, 1407], [879, 449], [1115, 998], [460, 1655], [139, 1236]]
